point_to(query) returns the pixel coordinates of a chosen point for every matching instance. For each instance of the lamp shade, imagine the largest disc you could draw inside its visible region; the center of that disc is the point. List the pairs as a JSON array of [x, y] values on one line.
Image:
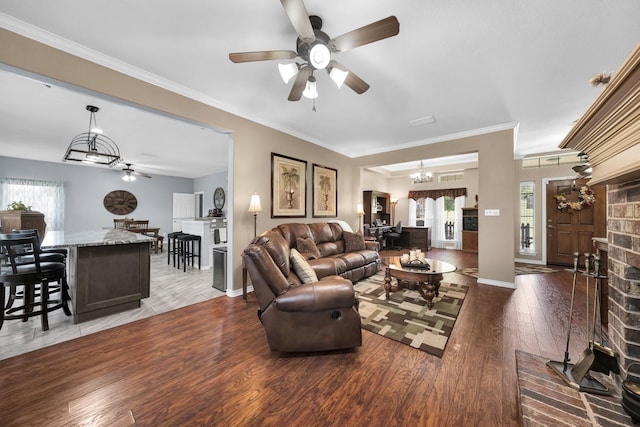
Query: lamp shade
[[254, 205], [310, 90], [338, 76], [287, 71], [359, 209]]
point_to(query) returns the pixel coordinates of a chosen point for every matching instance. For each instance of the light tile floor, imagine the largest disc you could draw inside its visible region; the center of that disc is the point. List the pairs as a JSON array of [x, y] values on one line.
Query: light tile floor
[[170, 289]]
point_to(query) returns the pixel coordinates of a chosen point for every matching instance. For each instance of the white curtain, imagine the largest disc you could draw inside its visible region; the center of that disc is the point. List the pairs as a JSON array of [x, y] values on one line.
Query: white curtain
[[457, 221], [46, 197], [437, 232]]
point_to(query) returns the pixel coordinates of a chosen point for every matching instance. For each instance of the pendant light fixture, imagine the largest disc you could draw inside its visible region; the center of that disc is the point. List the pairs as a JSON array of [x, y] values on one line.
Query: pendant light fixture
[[422, 176], [93, 146]]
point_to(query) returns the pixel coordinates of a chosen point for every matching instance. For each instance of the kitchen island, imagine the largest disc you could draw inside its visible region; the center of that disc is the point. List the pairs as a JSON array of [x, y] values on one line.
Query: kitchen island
[[108, 270]]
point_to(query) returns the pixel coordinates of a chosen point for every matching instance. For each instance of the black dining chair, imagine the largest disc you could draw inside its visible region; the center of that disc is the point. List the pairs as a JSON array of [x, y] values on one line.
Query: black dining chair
[[393, 235], [17, 269], [46, 255]]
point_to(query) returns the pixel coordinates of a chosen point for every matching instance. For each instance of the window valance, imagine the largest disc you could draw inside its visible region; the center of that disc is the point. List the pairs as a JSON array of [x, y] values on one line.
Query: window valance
[[435, 194]]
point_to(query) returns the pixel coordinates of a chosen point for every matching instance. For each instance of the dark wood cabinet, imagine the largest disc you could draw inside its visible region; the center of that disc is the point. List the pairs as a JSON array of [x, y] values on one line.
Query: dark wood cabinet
[[416, 237], [22, 220], [377, 205], [470, 230]]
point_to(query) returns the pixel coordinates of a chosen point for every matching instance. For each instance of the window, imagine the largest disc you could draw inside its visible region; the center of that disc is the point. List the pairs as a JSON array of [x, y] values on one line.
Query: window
[[444, 217], [46, 197], [458, 176], [527, 217]]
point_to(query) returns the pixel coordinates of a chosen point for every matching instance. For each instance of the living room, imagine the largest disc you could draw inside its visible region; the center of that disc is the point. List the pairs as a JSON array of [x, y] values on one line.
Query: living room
[[250, 174]]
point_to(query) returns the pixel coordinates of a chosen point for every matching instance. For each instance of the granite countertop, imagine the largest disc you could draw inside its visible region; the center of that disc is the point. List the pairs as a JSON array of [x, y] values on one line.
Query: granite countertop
[[61, 239]]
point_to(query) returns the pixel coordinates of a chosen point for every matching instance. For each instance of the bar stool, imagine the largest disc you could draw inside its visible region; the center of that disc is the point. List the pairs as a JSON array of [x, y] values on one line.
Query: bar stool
[[187, 249], [46, 255], [30, 275], [172, 247]]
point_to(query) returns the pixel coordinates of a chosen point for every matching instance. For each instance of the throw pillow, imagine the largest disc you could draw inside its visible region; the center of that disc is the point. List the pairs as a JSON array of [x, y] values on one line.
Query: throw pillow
[[302, 268], [353, 241], [307, 247]]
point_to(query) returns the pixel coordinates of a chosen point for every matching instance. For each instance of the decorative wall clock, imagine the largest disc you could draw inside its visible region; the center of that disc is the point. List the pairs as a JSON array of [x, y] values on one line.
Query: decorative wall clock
[[120, 202]]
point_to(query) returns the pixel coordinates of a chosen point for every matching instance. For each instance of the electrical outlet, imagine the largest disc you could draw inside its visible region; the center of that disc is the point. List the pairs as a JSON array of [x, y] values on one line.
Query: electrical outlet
[[492, 212]]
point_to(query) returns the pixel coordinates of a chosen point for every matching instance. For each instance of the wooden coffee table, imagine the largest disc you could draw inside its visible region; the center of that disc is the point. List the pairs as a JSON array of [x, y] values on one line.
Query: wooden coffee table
[[425, 281]]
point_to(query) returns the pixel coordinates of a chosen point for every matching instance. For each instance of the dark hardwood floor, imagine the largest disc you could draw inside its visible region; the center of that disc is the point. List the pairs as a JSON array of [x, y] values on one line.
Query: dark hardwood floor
[[209, 364]]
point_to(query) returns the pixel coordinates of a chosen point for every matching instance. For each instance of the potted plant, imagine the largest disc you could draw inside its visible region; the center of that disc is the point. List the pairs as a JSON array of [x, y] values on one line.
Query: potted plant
[[18, 206]]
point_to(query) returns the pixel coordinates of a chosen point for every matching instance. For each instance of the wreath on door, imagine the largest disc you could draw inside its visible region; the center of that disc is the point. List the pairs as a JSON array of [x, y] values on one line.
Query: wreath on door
[[586, 199]]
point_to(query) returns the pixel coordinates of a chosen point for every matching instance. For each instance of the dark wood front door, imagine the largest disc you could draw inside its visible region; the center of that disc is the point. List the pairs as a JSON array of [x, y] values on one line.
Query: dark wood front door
[[573, 230]]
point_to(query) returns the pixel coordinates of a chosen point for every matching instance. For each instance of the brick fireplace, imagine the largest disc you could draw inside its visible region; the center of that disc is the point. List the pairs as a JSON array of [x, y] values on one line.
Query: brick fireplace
[[623, 235]]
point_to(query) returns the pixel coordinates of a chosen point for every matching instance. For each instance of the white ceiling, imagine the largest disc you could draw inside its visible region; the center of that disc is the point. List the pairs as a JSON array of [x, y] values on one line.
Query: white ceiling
[[474, 66]]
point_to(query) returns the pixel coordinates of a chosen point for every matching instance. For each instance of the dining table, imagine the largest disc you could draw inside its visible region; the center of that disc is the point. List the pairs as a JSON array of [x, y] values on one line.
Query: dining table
[[151, 232]]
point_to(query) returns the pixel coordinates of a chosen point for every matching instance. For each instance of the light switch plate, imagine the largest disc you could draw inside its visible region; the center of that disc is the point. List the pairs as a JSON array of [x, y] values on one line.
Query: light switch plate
[[492, 212]]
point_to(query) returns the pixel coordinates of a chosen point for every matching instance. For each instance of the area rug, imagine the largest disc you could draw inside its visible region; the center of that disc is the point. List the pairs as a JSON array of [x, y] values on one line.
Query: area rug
[[519, 269], [406, 318]]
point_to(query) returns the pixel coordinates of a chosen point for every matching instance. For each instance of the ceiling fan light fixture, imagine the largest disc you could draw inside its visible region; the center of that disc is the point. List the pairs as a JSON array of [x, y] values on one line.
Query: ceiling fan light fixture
[[338, 76], [319, 56], [288, 71], [127, 176], [310, 90]]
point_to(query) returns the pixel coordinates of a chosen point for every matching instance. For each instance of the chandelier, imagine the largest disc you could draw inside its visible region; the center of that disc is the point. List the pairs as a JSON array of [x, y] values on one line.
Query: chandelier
[[93, 146], [421, 176]]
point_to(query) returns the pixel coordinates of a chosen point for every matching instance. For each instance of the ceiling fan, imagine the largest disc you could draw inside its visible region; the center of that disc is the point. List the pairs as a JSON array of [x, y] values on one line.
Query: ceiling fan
[[315, 47], [128, 174]]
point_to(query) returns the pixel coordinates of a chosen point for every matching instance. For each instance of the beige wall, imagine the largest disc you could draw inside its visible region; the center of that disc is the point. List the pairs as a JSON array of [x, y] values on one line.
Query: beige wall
[[496, 187], [250, 166]]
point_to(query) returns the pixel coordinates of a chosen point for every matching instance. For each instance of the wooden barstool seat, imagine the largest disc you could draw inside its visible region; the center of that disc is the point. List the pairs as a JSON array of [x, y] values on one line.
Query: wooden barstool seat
[[33, 276]]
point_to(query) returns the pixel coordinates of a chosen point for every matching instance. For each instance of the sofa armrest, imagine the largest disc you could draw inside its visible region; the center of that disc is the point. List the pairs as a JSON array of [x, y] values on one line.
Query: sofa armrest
[[372, 245], [327, 294]]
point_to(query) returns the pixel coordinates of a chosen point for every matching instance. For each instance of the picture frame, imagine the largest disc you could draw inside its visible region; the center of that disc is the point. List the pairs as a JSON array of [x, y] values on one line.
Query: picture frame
[[325, 192], [288, 187]]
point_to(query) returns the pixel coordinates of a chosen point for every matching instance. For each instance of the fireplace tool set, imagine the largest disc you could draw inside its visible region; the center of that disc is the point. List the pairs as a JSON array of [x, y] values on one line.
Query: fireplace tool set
[[596, 357]]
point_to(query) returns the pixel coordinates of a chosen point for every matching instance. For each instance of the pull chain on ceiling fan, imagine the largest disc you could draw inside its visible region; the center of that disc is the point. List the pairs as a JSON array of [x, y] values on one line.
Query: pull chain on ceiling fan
[[315, 48]]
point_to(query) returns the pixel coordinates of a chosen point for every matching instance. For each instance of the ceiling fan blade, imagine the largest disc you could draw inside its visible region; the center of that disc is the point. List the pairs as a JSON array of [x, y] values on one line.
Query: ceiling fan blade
[[140, 174], [299, 84], [353, 81], [265, 55], [299, 17], [387, 27]]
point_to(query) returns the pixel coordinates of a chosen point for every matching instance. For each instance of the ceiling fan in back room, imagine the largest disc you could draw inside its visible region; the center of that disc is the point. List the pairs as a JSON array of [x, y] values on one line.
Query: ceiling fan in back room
[[128, 174], [315, 48]]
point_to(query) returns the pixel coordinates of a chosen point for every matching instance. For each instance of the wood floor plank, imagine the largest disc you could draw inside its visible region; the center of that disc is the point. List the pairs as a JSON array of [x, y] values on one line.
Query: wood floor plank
[[209, 364]]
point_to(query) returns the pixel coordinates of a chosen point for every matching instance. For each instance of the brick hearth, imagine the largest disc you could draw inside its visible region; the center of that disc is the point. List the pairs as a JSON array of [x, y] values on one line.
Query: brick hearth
[[546, 400]]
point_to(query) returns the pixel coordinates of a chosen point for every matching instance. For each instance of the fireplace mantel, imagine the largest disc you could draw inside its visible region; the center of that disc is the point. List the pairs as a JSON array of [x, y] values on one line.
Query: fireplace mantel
[[609, 132]]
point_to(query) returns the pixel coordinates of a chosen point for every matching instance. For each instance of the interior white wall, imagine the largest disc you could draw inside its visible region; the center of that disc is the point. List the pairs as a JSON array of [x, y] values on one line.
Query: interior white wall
[[85, 188]]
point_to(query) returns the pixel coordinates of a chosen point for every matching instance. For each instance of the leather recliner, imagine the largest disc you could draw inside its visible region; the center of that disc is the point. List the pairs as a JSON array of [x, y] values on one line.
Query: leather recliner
[[300, 317]]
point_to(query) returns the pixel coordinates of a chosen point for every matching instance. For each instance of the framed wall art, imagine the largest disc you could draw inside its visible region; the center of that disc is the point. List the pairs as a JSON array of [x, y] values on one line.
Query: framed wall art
[[325, 192], [288, 187]]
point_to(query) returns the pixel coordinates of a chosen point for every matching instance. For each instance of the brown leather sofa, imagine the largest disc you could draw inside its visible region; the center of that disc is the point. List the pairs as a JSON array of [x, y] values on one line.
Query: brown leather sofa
[[321, 314]]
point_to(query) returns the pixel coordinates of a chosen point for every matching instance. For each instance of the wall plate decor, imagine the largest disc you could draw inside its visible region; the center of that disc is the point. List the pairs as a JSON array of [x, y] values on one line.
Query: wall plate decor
[[325, 192], [120, 202], [288, 187]]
